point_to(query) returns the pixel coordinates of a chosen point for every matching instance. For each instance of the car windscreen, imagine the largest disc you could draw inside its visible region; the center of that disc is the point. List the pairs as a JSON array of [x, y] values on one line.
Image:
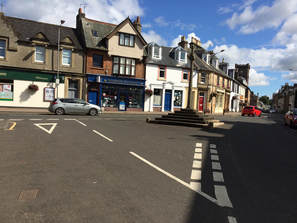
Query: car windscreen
[[248, 108]]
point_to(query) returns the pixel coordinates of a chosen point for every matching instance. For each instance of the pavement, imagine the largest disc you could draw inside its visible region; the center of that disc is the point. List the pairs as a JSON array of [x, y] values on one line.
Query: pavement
[[118, 168]]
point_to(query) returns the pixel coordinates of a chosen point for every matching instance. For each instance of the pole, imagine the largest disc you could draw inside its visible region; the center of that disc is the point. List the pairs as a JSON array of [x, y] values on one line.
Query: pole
[[58, 62], [191, 75]]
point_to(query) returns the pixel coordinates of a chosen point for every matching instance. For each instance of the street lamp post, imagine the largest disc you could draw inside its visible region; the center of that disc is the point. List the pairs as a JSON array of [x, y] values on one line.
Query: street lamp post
[[58, 57], [190, 78]]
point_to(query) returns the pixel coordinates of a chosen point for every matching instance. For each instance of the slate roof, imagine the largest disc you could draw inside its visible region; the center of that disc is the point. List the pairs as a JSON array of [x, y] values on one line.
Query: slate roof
[[103, 29], [167, 58], [27, 29]]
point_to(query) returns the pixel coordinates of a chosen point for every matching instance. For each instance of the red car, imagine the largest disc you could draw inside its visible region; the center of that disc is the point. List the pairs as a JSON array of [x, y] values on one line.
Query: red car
[[291, 118], [251, 110]]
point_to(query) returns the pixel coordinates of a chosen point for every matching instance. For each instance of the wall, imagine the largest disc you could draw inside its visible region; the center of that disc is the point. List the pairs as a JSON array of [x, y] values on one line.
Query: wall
[[22, 97]]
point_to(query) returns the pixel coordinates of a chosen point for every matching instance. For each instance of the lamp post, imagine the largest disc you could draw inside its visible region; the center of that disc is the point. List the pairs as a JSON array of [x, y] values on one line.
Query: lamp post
[[58, 57], [191, 75]]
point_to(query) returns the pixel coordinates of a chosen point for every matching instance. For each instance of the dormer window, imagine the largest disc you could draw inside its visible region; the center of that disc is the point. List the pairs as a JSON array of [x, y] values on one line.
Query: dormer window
[[127, 40], [156, 51], [95, 33], [181, 55], [2, 48]]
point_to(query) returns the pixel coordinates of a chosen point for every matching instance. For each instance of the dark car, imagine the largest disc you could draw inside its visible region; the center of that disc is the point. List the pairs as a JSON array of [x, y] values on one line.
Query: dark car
[[291, 118], [251, 110]]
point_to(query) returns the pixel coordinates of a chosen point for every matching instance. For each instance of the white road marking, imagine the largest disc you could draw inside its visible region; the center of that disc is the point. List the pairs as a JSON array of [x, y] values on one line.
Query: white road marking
[[222, 196], [69, 119], [1, 119], [15, 119], [174, 178], [198, 156], [12, 126], [80, 122], [103, 136], [53, 119], [217, 176], [35, 119], [196, 175], [212, 146], [198, 144], [232, 219], [198, 150], [197, 164], [196, 186], [214, 157], [213, 151], [40, 125], [216, 166]]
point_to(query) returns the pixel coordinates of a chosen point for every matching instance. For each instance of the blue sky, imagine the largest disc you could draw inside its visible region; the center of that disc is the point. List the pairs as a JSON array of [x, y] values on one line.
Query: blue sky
[[260, 32]]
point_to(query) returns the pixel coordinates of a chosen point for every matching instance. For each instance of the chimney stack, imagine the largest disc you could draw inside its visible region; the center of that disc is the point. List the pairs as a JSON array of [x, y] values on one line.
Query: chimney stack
[[137, 24], [183, 42]]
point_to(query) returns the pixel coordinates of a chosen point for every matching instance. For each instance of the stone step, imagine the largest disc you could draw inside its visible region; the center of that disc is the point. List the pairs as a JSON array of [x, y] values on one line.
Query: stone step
[[182, 120], [201, 117], [173, 122]]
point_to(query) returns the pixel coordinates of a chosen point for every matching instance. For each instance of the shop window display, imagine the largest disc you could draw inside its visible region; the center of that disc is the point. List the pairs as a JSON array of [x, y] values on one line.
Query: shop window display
[[6, 90], [109, 96], [178, 98], [135, 97]]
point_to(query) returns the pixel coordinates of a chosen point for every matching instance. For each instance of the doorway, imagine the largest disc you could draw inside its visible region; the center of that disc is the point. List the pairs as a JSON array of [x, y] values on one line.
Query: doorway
[[168, 98]]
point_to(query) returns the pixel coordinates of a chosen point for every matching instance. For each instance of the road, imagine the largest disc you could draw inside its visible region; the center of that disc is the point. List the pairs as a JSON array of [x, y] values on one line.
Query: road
[[118, 168]]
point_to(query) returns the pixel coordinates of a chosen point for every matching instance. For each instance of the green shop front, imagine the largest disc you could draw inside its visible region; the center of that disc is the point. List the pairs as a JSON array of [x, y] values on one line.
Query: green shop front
[[27, 88], [116, 93]]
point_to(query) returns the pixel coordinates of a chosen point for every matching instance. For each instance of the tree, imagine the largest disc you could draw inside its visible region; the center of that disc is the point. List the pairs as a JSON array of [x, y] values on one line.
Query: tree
[[264, 99]]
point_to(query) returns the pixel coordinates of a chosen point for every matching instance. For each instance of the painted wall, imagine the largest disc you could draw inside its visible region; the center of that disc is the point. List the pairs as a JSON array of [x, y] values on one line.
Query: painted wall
[[125, 51], [23, 97], [173, 81]]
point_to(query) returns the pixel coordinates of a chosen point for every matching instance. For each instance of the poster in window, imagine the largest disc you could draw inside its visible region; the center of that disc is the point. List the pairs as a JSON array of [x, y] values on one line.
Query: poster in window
[[6, 93], [49, 94], [6, 88]]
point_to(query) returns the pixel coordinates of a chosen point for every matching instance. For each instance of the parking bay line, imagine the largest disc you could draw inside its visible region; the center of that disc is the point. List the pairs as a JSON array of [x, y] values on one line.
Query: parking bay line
[[175, 178], [103, 136], [73, 119], [12, 127]]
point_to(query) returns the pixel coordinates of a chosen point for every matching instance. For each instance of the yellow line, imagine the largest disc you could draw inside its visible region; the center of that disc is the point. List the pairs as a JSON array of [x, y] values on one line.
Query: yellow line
[[12, 127]]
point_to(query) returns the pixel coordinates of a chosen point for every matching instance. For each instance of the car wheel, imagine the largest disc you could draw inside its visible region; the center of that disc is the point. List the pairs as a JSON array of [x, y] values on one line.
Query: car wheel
[[60, 111], [291, 124], [242, 114], [259, 115], [93, 112]]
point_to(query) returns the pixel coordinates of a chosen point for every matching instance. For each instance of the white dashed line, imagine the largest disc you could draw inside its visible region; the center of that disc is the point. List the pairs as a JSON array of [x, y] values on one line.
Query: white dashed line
[[35, 119], [69, 119], [197, 164], [199, 145], [16, 119], [1, 119], [198, 150], [232, 219], [196, 175], [216, 166], [222, 196], [212, 146], [214, 157], [174, 178], [53, 119], [196, 186], [197, 156], [217, 176], [80, 122], [213, 151], [103, 136]]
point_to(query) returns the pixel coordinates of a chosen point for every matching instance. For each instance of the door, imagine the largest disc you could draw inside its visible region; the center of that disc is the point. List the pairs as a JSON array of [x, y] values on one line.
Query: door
[[93, 97], [168, 97], [122, 100], [201, 102]]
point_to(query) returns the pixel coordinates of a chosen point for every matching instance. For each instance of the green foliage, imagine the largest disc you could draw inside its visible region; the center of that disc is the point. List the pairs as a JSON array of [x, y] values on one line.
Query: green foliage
[[265, 99]]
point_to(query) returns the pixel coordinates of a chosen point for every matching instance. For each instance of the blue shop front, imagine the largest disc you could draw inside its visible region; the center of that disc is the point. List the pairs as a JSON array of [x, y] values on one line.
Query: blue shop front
[[116, 93]]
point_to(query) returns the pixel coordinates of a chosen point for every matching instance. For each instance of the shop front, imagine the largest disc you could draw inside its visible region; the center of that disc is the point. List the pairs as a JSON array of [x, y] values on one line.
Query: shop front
[[116, 93]]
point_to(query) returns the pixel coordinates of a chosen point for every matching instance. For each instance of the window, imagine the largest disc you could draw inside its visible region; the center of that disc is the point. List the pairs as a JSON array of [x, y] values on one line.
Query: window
[[97, 60], [218, 80], [94, 33], [40, 54], [6, 90], [66, 57], [2, 48], [123, 66], [127, 39], [185, 75], [156, 52], [178, 98], [223, 82], [73, 88], [162, 72], [203, 78], [157, 97], [181, 56]]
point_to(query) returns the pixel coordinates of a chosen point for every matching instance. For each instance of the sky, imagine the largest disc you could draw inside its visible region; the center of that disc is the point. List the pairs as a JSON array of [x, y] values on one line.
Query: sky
[[262, 33]]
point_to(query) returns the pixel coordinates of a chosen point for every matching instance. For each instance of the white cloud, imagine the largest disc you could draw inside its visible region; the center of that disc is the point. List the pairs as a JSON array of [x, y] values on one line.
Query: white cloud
[[161, 21], [146, 25], [152, 36], [224, 10], [113, 11], [207, 45], [258, 79], [263, 17], [292, 76]]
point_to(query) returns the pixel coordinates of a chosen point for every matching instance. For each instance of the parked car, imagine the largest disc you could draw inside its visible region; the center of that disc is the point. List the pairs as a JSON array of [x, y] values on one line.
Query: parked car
[[251, 110], [272, 110], [63, 106], [291, 118]]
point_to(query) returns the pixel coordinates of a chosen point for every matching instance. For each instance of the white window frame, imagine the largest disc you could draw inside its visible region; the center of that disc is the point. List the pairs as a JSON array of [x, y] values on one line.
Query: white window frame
[[178, 56], [68, 50], [203, 82], [160, 53], [3, 48], [42, 53]]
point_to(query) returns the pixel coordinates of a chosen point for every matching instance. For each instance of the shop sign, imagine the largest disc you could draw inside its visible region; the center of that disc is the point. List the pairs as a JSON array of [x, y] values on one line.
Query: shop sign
[[49, 94]]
